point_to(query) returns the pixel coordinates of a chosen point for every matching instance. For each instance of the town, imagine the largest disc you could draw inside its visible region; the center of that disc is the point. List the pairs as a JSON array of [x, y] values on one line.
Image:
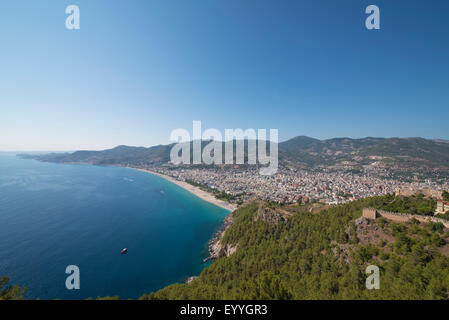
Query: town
[[291, 185]]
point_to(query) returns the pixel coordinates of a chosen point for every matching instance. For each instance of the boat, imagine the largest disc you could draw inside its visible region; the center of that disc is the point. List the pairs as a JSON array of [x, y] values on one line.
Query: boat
[[124, 250]]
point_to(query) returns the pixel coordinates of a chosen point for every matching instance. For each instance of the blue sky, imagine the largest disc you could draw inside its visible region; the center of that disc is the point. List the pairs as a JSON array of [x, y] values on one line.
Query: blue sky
[[138, 69]]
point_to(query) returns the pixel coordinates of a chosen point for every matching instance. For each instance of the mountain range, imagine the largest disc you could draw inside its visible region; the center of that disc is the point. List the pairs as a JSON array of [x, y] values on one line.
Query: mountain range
[[299, 152]]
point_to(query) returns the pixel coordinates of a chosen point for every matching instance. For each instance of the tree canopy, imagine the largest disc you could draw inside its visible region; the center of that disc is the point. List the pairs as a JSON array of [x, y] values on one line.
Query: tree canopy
[[320, 256], [10, 292]]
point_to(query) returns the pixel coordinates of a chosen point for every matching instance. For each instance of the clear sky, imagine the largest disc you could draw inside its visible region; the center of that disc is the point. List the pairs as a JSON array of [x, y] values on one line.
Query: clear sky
[[138, 69]]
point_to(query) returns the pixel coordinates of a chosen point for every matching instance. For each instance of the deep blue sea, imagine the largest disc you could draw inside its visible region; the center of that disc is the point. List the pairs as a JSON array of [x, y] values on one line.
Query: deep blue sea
[[55, 215]]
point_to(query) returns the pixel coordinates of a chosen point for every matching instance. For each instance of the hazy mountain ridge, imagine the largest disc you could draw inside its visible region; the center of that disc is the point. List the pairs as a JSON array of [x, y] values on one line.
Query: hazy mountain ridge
[[301, 151]]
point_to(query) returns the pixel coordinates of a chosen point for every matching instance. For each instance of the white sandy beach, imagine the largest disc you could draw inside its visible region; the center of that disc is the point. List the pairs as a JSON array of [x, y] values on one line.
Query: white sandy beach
[[195, 190]]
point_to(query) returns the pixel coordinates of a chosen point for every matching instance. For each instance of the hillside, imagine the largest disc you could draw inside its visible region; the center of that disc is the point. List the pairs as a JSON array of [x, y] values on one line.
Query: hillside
[[290, 253], [428, 158], [120, 155], [403, 153]]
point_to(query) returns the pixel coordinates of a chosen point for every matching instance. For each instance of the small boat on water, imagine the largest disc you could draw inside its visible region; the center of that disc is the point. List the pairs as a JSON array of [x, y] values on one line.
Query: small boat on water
[[125, 250]]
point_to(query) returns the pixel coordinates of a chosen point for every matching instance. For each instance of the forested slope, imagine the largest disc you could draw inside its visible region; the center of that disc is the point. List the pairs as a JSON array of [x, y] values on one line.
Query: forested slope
[[323, 256]]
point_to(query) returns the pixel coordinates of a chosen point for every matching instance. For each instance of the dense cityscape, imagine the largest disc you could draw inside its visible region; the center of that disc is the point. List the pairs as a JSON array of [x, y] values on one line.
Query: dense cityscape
[[292, 185]]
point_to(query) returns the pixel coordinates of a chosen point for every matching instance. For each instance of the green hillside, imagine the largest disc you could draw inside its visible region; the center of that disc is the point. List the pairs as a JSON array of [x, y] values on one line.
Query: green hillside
[[303, 255], [9, 291]]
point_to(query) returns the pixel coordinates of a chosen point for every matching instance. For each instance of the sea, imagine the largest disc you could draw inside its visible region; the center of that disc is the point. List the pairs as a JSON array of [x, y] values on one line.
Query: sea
[[57, 215]]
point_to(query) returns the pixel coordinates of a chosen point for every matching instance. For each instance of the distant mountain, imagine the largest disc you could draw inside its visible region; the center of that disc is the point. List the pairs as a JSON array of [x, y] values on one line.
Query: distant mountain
[[402, 152], [119, 155], [299, 152]]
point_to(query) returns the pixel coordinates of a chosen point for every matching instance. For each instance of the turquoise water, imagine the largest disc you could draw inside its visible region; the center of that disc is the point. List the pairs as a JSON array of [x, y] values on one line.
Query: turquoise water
[[54, 215]]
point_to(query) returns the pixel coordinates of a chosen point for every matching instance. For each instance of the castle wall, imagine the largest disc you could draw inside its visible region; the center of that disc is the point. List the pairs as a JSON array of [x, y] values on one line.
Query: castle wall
[[431, 193], [395, 218], [371, 213]]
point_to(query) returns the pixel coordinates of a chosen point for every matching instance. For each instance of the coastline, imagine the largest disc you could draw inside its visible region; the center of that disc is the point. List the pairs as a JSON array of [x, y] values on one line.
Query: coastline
[[206, 196]]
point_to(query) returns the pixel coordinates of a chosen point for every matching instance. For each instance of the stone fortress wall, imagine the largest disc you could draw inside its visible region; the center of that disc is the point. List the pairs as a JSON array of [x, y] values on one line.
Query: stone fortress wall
[[431, 193], [371, 213]]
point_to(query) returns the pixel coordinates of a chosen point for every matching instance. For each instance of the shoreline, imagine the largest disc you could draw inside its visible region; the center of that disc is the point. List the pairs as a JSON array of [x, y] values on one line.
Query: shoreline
[[206, 196]]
